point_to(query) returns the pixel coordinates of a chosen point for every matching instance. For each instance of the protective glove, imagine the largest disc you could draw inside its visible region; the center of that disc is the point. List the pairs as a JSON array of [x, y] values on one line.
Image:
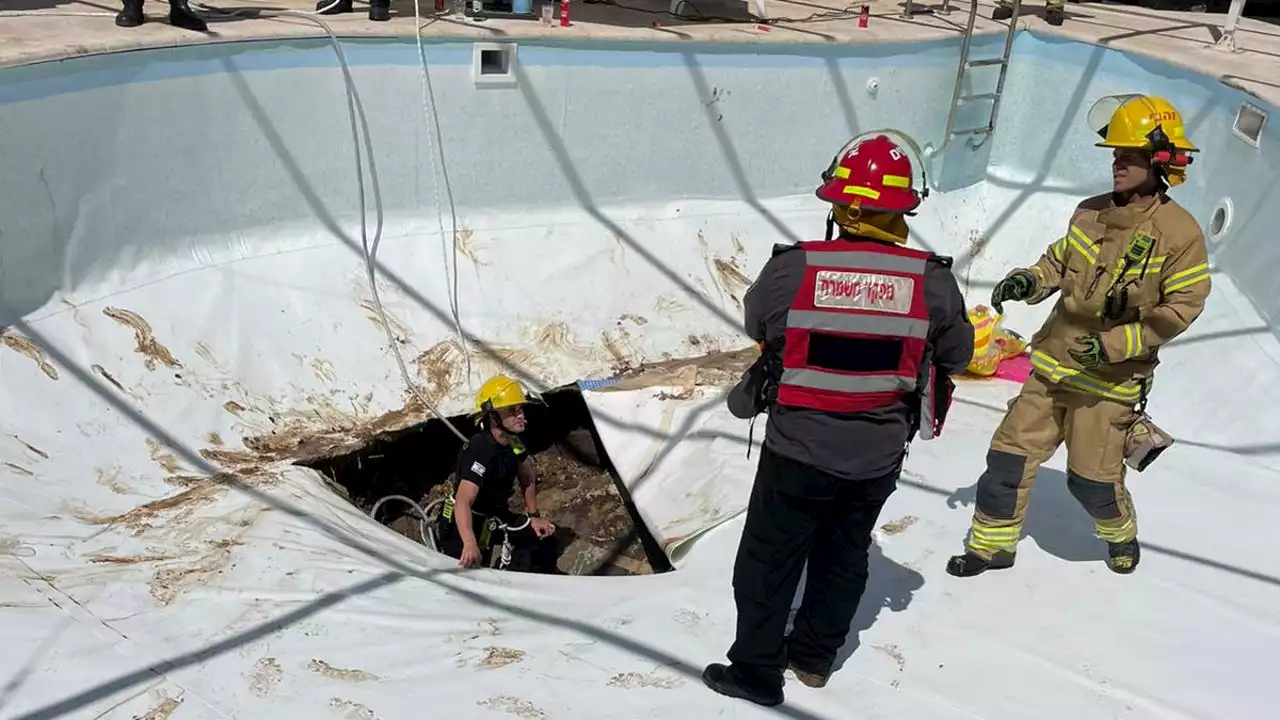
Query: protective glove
[[1091, 353], [1020, 285]]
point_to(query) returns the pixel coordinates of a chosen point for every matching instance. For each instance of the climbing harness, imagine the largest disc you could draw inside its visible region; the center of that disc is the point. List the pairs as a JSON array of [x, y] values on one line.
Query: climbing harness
[[501, 560], [488, 528]]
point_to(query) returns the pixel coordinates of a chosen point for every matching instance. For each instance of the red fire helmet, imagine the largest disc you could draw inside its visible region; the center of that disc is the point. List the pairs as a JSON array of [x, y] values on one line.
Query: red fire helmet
[[874, 173]]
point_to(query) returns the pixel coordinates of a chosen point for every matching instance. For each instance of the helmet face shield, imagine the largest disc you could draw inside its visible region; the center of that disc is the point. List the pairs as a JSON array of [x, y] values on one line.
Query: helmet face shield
[[1104, 108]]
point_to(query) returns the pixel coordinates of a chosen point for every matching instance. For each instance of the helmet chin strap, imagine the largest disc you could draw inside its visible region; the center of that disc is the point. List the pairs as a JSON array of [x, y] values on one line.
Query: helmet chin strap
[[495, 421]]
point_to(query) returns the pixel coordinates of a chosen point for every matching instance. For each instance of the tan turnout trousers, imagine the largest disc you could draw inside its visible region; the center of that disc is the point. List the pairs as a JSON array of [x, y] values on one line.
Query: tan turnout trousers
[[1039, 419]]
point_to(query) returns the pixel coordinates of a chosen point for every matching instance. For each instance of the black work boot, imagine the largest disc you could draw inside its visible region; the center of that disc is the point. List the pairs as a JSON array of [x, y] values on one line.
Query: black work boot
[[725, 680], [970, 564], [131, 14], [380, 10], [180, 15], [1054, 16], [333, 7], [1002, 12], [1123, 557]]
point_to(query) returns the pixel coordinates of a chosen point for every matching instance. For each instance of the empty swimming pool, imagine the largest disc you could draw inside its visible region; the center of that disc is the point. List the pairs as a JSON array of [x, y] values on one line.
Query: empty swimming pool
[[185, 242]]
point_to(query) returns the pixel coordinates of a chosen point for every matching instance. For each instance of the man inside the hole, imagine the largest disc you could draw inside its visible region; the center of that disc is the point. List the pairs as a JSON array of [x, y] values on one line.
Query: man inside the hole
[[476, 516]]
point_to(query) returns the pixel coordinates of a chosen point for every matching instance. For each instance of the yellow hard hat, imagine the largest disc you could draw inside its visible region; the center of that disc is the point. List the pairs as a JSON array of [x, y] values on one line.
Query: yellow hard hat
[[1129, 121], [1145, 122], [499, 391]]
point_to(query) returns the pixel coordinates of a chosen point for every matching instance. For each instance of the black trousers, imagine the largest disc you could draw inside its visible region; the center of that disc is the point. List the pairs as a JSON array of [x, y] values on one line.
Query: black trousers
[[798, 514], [529, 553]]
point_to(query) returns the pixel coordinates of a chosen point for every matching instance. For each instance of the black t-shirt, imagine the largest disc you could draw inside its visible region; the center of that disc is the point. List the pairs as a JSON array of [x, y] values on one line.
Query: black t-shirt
[[494, 467]]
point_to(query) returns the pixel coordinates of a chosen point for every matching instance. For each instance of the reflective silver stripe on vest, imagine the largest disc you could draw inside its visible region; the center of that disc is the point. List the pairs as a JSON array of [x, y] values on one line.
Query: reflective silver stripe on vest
[[819, 380], [865, 324], [856, 260], [926, 404]]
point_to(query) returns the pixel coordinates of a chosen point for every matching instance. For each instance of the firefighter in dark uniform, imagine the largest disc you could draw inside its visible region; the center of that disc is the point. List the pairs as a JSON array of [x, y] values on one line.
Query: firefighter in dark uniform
[[476, 516], [865, 335]]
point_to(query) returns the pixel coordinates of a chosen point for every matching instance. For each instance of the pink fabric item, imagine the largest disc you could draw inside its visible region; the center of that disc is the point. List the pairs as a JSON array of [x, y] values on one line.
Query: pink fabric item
[[1014, 369]]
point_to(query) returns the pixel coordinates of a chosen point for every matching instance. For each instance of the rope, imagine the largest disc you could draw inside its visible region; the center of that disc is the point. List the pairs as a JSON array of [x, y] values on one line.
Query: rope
[[422, 517], [354, 108]]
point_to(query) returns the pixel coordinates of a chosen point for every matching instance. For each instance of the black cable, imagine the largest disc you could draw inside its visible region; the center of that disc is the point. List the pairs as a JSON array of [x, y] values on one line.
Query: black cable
[[848, 12]]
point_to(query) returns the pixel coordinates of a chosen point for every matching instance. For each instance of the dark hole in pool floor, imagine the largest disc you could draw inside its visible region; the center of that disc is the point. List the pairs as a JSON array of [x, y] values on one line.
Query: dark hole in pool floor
[[599, 531]]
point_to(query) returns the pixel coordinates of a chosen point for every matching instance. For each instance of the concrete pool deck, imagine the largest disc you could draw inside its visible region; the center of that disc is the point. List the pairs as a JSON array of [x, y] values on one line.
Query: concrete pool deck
[[50, 29]]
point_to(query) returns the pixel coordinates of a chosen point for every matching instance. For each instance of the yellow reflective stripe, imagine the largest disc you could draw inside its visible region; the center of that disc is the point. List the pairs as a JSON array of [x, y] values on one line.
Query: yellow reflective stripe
[[842, 172], [993, 539], [1188, 272], [1082, 243], [1113, 533], [864, 192], [1186, 278], [896, 181], [1006, 531], [1132, 340], [1059, 249], [1055, 372], [1153, 265], [1186, 283]]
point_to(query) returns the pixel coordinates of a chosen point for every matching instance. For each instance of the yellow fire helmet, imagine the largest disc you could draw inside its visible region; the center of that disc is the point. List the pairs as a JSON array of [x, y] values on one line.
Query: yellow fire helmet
[[1144, 122], [499, 391]]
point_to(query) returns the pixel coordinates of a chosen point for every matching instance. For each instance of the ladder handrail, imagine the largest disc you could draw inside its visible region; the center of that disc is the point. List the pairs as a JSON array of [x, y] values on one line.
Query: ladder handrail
[[1004, 69], [964, 59], [964, 63]]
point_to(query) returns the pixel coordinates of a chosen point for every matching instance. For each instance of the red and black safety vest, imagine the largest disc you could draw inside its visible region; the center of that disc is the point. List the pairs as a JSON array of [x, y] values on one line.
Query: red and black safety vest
[[857, 329]]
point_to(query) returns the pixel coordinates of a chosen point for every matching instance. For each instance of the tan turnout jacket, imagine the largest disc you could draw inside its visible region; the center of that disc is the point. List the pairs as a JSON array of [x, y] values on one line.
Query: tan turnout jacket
[[1151, 259]]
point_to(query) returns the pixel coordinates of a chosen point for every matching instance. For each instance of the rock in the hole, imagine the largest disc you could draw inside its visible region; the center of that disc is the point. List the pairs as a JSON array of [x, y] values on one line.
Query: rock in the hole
[[583, 502], [578, 444]]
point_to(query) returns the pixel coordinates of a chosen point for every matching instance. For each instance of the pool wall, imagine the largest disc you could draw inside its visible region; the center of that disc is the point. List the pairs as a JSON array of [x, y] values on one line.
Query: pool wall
[[612, 206]]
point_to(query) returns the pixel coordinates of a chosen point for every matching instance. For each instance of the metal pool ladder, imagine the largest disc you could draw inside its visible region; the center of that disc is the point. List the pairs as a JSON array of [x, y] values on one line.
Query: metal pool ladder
[[965, 63]]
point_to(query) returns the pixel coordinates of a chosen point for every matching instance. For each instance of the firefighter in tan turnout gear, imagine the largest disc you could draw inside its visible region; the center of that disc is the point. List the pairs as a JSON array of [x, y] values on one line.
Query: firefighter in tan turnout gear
[[1131, 273]]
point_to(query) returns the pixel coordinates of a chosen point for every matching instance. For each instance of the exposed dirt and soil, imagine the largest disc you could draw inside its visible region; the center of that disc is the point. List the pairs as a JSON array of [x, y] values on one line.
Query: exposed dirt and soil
[[719, 368]]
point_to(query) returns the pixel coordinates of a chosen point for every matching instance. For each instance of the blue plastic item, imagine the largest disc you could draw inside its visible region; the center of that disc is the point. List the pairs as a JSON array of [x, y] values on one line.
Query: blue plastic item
[[596, 384]]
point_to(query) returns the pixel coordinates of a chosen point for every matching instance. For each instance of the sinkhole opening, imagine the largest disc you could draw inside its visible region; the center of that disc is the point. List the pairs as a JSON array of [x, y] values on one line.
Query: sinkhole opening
[[598, 528]]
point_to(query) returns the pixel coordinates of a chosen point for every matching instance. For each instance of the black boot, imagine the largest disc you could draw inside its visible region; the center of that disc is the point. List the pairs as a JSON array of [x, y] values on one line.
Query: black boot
[[339, 7], [131, 14], [969, 564], [725, 680], [1054, 16], [1002, 12], [180, 15], [380, 10], [1123, 557]]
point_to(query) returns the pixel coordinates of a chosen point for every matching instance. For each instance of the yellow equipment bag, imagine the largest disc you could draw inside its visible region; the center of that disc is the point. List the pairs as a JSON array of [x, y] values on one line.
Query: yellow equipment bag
[[991, 341]]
